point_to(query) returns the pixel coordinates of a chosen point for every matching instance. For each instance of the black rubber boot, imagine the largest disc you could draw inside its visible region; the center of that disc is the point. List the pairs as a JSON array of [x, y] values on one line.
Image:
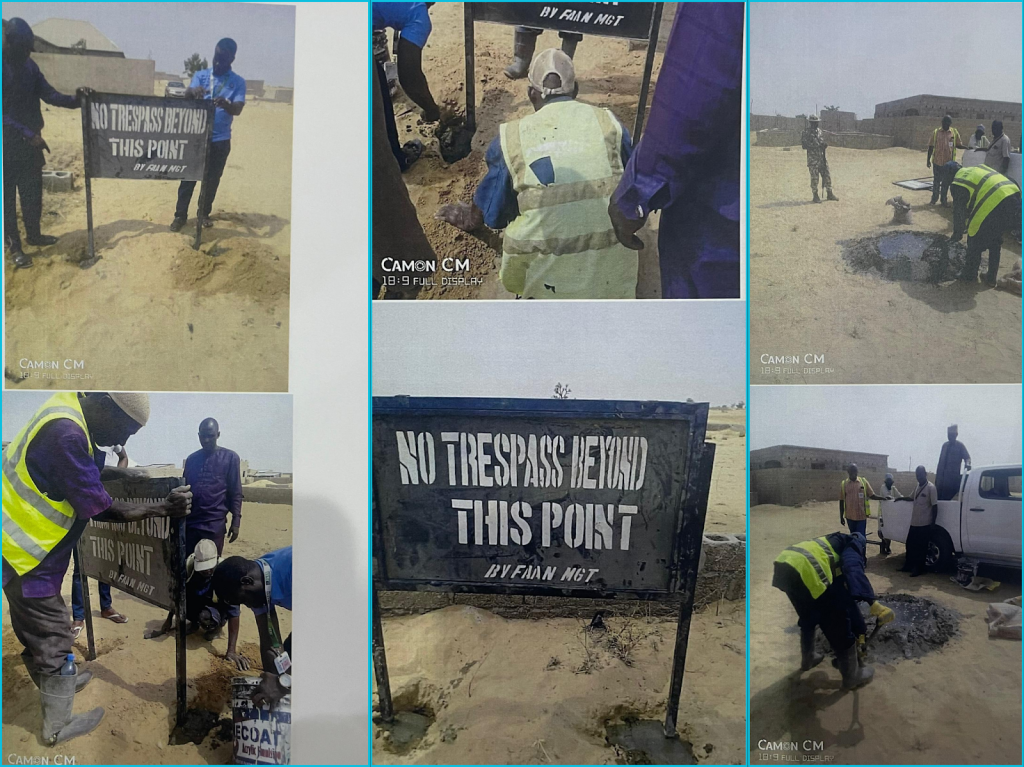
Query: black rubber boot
[[57, 697], [815, 198], [41, 240], [831, 196], [854, 675], [525, 45], [809, 658]]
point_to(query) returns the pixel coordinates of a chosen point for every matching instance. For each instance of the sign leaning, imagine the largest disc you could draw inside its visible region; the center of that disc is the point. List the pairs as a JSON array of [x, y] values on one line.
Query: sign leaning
[[569, 498]]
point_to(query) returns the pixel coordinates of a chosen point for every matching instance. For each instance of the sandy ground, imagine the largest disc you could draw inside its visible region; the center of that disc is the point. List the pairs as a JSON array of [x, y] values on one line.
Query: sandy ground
[[512, 692], [805, 300], [609, 76], [958, 705], [134, 677], [153, 314]]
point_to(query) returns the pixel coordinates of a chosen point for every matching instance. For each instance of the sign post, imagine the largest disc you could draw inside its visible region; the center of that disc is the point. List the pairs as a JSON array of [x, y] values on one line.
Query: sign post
[[145, 137], [631, 21], [570, 498], [145, 559]]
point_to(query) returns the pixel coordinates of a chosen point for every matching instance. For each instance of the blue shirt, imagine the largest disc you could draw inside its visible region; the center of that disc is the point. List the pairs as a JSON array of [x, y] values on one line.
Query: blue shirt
[[230, 86], [280, 562], [411, 19], [496, 194]]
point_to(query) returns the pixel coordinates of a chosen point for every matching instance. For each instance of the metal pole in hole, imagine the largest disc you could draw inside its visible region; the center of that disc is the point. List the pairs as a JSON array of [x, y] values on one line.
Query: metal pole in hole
[[691, 542], [645, 85], [87, 155], [180, 675], [470, 67], [211, 114], [380, 665], [86, 604]]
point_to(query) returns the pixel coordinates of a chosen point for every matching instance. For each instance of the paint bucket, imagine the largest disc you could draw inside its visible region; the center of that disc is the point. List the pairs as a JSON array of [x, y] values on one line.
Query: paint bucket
[[260, 735]]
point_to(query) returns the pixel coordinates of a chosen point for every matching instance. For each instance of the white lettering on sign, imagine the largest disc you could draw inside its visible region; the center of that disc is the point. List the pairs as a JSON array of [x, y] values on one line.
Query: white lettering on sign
[[590, 526], [541, 574], [581, 17]]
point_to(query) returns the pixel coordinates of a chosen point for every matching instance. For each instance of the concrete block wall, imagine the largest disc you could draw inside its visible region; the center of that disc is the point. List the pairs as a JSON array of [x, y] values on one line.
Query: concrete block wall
[[723, 576], [101, 73], [281, 495], [859, 140], [916, 132], [791, 487], [778, 137]]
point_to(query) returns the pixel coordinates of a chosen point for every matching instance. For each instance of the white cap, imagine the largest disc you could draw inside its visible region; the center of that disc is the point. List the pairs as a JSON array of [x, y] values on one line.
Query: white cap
[[134, 404], [205, 557], [553, 62]]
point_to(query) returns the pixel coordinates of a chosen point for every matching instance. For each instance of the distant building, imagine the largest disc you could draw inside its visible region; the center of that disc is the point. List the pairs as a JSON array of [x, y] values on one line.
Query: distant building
[[789, 475], [72, 37], [815, 459], [927, 105]]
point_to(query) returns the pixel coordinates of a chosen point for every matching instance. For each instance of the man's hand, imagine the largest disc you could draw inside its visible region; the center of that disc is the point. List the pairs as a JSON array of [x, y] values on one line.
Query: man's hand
[[233, 534], [431, 115], [626, 228], [270, 691], [179, 502], [222, 102], [462, 215], [928, 164], [842, 520], [883, 613], [39, 142], [197, 92], [241, 662], [165, 628], [83, 93]]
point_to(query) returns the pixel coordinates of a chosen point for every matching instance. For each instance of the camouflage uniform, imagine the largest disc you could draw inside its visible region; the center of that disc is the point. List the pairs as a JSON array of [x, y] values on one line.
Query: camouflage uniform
[[813, 140]]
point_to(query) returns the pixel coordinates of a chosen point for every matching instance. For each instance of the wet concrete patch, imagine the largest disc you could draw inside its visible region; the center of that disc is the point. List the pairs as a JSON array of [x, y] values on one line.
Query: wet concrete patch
[[906, 256], [197, 725], [406, 730], [643, 741]]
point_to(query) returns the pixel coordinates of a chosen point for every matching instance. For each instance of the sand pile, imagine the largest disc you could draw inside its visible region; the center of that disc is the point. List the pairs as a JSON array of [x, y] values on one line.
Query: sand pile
[[231, 265]]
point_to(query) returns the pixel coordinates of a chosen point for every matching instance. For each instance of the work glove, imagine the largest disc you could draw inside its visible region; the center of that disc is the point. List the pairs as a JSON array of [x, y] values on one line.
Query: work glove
[[862, 648], [883, 613]]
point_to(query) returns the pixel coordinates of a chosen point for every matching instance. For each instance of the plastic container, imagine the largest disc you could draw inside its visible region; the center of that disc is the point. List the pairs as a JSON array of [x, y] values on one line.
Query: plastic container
[[69, 668], [261, 735]]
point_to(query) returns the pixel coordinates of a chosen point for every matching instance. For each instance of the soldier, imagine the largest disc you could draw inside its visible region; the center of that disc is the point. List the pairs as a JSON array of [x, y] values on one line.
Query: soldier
[[813, 140]]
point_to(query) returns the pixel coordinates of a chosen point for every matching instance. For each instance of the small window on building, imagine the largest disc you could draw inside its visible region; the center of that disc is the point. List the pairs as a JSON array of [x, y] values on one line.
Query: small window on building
[[818, 467], [772, 465]]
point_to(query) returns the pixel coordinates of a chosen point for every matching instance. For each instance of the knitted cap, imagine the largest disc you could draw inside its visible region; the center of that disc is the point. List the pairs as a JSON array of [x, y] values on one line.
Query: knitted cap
[[134, 404]]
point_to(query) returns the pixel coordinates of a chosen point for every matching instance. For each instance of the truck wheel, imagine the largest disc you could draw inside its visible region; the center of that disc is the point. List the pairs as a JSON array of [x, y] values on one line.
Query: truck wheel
[[940, 554]]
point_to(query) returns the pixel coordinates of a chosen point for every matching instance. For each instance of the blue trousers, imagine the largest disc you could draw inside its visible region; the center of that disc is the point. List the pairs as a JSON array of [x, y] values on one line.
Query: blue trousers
[[78, 601], [858, 526]]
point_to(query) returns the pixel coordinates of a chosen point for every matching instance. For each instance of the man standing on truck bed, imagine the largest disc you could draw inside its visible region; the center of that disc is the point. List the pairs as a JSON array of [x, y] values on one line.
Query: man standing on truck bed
[[947, 471], [926, 510]]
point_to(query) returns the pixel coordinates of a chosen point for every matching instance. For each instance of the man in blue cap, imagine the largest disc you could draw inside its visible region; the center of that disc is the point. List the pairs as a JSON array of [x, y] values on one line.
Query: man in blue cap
[[226, 90], [24, 87]]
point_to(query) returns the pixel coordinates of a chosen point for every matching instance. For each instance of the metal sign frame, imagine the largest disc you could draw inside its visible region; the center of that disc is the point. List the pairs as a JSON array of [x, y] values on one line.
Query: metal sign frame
[[149, 490], [86, 106], [689, 519], [470, 18]]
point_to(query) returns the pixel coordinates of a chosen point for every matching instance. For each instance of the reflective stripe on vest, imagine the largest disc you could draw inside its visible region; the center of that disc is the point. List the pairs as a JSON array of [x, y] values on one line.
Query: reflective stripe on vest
[[987, 188], [815, 561], [33, 523], [568, 217], [864, 487]]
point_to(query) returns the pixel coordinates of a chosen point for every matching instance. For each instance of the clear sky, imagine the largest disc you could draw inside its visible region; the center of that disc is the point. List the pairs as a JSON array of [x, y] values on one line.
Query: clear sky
[[855, 55], [906, 422], [630, 350], [169, 33], [256, 426]]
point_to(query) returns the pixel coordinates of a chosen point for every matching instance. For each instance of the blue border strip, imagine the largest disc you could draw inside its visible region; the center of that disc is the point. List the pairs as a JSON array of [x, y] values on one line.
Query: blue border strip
[[746, 137], [370, 84]]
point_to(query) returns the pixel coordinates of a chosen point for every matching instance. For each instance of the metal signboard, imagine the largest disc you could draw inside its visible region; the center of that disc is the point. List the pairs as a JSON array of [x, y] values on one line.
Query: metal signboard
[[572, 498], [144, 137], [145, 559], [629, 20]]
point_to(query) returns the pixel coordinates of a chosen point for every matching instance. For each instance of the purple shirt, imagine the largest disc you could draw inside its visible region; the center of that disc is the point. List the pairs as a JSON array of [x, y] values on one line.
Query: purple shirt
[[690, 150], [59, 463], [216, 480]]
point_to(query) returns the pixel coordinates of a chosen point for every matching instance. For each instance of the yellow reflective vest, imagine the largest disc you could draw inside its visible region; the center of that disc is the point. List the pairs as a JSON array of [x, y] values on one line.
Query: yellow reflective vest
[[987, 188], [562, 244], [863, 489], [956, 140], [816, 562], [34, 524]]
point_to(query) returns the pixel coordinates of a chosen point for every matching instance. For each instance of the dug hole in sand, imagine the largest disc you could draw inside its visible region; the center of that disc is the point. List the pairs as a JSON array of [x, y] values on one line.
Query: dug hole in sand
[[153, 314], [134, 678], [490, 690], [806, 298], [943, 691]]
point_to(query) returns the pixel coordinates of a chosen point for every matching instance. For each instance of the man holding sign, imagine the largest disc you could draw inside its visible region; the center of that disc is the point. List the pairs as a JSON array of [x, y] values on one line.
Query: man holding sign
[[227, 91], [52, 486]]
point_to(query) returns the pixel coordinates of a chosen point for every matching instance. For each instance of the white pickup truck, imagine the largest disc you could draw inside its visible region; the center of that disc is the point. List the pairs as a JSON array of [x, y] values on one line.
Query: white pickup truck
[[981, 525]]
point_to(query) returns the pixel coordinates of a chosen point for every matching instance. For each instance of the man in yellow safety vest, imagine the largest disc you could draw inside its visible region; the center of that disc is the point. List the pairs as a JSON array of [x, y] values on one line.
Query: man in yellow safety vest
[[985, 205], [824, 579], [550, 177], [53, 473]]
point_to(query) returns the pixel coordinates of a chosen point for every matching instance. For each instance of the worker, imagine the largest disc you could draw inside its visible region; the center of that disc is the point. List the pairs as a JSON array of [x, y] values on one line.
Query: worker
[[926, 510], [203, 610], [824, 579], [549, 180], [986, 205], [688, 163], [978, 139], [24, 87], [855, 496], [226, 89], [813, 140], [263, 585], [998, 154], [891, 491], [941, 150], [52, 487], [947, 471], [411, 23], [526, 46]]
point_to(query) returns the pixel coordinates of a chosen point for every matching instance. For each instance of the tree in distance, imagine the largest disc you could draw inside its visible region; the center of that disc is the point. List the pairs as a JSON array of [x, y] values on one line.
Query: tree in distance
[[195, 63]]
